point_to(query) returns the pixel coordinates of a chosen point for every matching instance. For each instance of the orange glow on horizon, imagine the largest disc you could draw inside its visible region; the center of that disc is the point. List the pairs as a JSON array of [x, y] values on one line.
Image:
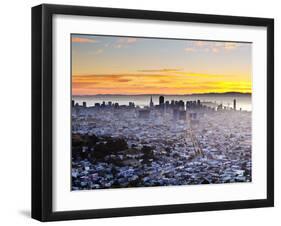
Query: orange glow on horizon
[[169, 83]]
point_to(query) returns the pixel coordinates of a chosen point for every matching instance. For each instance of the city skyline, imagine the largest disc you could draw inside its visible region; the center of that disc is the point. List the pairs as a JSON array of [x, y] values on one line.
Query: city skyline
[[165, 143], [136, 66]]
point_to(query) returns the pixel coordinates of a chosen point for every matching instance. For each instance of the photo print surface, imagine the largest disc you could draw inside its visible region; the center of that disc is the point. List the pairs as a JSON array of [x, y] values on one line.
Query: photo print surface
[[159, 112]]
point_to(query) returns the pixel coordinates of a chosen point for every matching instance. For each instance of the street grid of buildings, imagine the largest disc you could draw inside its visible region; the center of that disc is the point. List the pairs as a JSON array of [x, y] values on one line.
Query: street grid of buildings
[[171, 143]]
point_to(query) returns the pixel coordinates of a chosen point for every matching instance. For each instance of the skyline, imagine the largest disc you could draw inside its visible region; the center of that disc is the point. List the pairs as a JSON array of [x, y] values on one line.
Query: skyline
[[136, 66]]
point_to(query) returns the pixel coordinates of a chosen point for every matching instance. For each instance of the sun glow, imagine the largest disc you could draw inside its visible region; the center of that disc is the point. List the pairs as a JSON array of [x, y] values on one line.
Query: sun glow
[[121, 65]]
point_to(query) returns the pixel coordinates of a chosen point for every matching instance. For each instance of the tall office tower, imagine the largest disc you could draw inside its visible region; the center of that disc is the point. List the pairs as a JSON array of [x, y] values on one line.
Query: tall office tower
[[181, 104], [234, 104], [182, 115], [144, 113], [84, 104], [151, 102], [175, 114], [188, 104], [161, 100], [72, 103]]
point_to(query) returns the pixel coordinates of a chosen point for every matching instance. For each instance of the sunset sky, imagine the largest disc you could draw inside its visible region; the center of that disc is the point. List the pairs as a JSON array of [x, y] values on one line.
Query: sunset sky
[[127, 65]]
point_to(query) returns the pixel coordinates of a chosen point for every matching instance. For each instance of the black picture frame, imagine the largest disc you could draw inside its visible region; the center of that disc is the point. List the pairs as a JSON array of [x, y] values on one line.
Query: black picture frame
[[42, 111]]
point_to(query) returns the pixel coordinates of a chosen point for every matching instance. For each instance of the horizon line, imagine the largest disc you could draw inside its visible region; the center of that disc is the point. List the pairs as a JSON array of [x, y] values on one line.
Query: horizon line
[[157, 94]]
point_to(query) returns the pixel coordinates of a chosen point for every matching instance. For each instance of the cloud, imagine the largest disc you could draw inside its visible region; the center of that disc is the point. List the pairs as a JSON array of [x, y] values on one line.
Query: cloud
[[98, 51], [211, 46], [83, 40], [127, 40], [189, 49], [199, 75], [118, 46], [141, 83], [123, 80], [215, 50], [197, 46], [162, 70], [199, 43], [230, 45], [124, 42], [131, 40]]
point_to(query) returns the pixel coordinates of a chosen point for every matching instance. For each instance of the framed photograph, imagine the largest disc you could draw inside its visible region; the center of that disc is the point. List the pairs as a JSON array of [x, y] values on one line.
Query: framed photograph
[[145, 112]]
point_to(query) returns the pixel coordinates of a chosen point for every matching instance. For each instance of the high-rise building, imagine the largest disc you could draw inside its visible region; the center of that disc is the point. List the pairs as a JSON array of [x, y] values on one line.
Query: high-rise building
[[72, 103], [84, 104], [161, 100], [182, 115], [188, 105], [175, 114], [151, 102], [181, 104], [193, 115], [234, 104], [131, 104], [144, 113], [220, 107]]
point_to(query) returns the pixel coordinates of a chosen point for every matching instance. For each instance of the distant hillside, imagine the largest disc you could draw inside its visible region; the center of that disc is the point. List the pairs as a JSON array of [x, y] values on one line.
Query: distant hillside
[[218, 94]]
